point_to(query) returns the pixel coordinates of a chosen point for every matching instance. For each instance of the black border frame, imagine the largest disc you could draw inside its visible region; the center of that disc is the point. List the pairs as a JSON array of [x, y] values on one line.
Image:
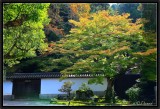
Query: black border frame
[[79, 1]]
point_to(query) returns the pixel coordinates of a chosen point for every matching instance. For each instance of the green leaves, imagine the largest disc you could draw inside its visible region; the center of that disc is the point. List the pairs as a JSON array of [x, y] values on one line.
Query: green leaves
[[106, 41], [23, 29], [66, 87], [84, 87]]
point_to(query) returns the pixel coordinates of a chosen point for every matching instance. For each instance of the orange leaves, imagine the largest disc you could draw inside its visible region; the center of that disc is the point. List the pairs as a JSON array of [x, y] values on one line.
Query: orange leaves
[[74, 7], [95, 53], [120, 49], [49, 49], [74, 22], [51, 45], [103, 13], [134, 28], [148, 52], [103, 22], [58, 31], [141, 21], [110, 52], [80, 23], [99, 27], [80, 9], [125, 15]]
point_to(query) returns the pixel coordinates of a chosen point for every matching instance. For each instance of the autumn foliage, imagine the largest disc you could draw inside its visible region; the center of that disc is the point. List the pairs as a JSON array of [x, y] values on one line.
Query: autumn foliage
[[148, 52], [80, 10], [100, 30], [81, 39]]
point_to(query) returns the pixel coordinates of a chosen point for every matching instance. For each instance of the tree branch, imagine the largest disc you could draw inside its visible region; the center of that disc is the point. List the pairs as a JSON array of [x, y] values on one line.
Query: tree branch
[[7, 54], [16, 22]]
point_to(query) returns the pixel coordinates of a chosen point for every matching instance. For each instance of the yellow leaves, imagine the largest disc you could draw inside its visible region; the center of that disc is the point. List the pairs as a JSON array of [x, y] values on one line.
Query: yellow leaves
[[110, 52], [103, 13], [104, 52], [74, 22], [103, 22], [125, 15], [134, 28], [116, 32], [75, 31], [80, 63], [73, 7], [84, 21], [94, 56], [141, 21], [95, 53], [148, 52], [120, 49], [80, 9], [99, 26], [81, 23], [140, 7]]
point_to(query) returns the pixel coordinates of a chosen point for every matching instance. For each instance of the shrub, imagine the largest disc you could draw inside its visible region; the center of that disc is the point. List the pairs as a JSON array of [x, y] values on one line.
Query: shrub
[[61, 97], [53, 100], [67, 88], [84, 87], [84, 92], [84, 95], [89, 93], [133, 93], [122, 102]]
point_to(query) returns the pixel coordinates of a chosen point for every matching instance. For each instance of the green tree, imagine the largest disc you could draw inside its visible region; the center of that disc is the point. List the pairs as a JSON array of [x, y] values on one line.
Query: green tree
[[23, 33], [147, 57], [41, 64], [129, 8], [84, 87], [148, 64], [95, 7], [103, 43], [99, 7], [149, 12], [67, 88]]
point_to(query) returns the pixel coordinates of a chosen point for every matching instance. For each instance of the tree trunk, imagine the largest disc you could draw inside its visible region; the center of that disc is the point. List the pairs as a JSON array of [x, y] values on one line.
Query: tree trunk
[[109, 93]]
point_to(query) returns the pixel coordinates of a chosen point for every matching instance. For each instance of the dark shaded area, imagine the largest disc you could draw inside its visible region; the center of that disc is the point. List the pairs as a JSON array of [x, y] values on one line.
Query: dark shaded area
[[130, 8], [123, 82], [52, 36], [147, 94], [149, 12], [99, 6], [39, 64], [26, 88], [84, 95]]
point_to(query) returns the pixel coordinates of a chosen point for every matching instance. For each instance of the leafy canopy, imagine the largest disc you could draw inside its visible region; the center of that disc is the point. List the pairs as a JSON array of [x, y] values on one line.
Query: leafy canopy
[[102, 43], [23, 30]]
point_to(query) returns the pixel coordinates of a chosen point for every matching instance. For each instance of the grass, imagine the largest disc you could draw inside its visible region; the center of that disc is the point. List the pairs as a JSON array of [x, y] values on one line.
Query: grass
[[72, 103], [84, 103], [90, 103], [101, 102]]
